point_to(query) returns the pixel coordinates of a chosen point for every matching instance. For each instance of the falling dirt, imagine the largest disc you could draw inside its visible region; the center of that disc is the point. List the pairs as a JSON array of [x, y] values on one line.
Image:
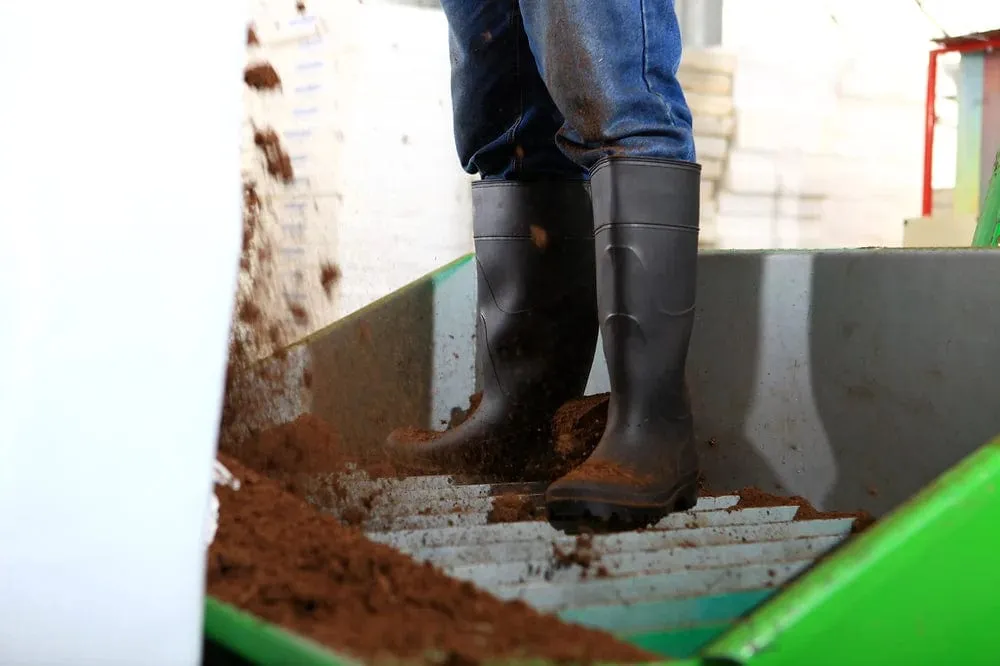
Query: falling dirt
[[252, 36], [582, 554], [329, 274], [279, 164], [262, 76], [280, 559]]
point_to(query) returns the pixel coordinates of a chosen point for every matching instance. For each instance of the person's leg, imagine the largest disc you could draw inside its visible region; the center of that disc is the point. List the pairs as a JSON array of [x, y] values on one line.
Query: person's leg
[[533, 229], [611, 68], [505, 121]]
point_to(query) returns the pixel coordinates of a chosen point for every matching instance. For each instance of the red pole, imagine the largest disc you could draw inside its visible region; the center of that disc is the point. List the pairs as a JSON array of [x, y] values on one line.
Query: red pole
[[930, 118]]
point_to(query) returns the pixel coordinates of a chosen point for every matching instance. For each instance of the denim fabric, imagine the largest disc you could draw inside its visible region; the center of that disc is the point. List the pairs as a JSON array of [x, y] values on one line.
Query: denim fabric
[[545, 88]]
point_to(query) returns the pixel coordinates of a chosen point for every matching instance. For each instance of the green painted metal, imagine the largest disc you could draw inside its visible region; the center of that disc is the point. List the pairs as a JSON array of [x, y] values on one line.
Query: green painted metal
[[988, 226], [920, 587], [262, 643]]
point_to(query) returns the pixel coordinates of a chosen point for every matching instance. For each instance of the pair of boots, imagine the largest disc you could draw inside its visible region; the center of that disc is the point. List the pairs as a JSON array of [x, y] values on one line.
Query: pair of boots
[[555, 261]]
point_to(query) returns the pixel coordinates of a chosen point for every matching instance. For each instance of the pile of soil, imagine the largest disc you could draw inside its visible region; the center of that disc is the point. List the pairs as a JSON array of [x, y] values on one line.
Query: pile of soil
[[513, 508], [285, 562], [751, 498]]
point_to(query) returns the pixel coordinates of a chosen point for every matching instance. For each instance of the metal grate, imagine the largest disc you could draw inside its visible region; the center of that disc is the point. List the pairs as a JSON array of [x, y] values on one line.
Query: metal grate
[[691, 576]]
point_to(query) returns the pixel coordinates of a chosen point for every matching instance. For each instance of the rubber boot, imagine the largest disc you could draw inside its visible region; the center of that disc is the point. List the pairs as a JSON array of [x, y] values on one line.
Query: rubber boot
[[536, 331], [646, 241]]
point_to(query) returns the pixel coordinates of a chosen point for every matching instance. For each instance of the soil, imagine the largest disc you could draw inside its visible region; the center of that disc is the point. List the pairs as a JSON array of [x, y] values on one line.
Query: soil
[[308, 446], [299, 314], [279, 164], [513, 508], [582, 555], [577, 427], [329, 275], [604, 471], [280, 559], [262, 76], [300, 6], [575, 430], [756, 498], [252, 37], [460, 416]]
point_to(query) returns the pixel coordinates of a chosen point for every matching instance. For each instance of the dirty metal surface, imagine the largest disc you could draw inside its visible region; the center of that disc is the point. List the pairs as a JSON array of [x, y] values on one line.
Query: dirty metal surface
[[692, 574]]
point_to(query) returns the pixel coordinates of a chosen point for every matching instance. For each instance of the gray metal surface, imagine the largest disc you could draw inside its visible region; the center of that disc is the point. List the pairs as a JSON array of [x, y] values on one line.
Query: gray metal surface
[[852, 377], [715, 549]]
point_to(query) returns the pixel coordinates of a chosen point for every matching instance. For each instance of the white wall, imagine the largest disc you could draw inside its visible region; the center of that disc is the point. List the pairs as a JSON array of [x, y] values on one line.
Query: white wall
[[828, 128], [829, 105], [366, 118]]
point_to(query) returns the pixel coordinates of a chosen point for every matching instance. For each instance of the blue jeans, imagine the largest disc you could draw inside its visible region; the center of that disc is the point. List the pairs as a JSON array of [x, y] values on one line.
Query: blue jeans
[[545, 88]]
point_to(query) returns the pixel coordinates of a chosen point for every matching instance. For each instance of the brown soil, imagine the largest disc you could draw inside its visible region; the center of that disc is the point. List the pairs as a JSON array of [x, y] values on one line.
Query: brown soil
[[414, 435], [280, 559], [577, 427], [308, 446], [539, 237], [252, 37], [279, 164], [756, 498], [329, 274], [299, 314], [512, 508], [582, 555], [300, 7], [604, 471], [262, 76]]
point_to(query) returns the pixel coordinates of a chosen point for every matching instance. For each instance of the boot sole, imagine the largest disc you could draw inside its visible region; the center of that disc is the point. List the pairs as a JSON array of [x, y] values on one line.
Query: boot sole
[[576, 515]]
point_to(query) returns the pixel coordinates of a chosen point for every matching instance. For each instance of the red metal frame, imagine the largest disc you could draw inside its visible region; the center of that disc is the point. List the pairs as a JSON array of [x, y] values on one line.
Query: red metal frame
[[957, 45]]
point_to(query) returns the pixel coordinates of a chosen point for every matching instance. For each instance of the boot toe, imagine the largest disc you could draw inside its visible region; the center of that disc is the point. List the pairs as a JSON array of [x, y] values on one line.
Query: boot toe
[[606, 503]]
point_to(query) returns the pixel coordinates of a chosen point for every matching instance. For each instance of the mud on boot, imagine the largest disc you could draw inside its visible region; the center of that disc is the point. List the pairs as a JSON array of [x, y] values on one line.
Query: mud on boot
[[646, 244]]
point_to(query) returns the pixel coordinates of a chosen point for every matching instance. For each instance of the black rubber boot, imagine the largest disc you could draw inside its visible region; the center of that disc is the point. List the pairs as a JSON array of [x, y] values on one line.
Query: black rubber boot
[[536, 333], [646, 239]]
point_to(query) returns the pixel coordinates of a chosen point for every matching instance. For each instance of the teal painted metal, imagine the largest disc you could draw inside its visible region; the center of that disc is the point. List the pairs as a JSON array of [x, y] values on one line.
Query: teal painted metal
[[647, 617], [679, 643], [674, 628], [918, 588]]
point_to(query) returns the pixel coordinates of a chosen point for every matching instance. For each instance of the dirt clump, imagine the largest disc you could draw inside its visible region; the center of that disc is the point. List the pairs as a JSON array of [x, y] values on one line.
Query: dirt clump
[[262, 76], [329, 274], [751, 497], [513, 508], [582, 554], [281, 560], [577, 427], [252, 36], [279, 164]]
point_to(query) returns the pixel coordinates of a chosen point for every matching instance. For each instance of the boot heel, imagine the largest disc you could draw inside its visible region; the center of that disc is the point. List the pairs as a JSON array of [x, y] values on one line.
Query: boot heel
[[687, 498]]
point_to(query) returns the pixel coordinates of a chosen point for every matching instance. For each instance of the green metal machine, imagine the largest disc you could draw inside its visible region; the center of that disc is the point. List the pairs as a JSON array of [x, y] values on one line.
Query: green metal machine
[[859, 379], [988, 226]]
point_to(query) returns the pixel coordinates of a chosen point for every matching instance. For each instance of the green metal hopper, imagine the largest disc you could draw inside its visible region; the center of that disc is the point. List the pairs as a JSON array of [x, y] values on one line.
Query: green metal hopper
[[858, 379]]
